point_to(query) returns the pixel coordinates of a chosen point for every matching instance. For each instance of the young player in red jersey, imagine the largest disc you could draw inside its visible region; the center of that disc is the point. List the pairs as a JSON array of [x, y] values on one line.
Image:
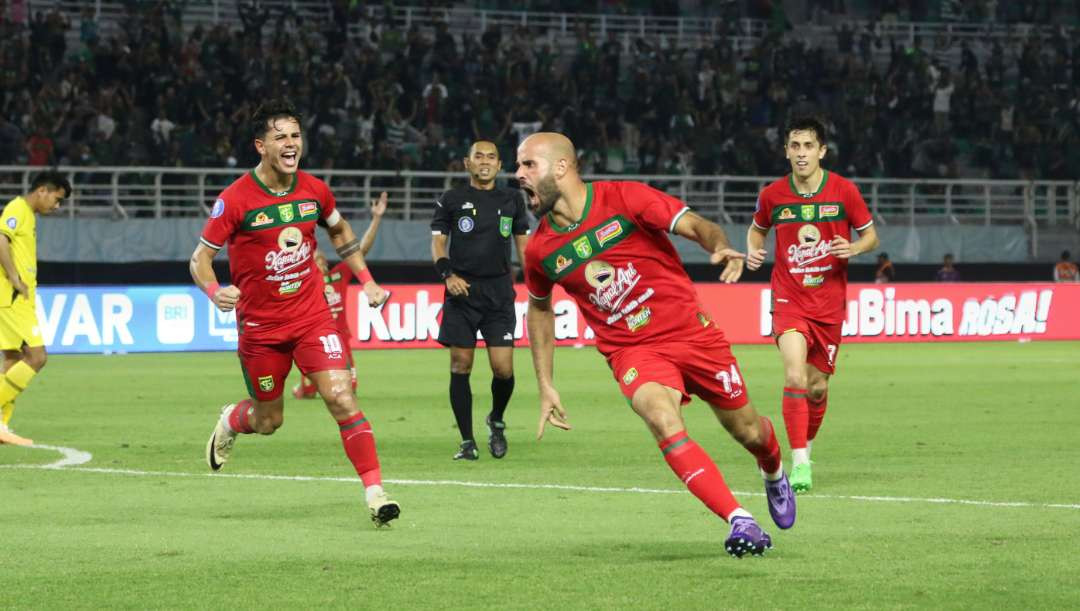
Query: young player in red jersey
[[337, 284], [268, 218], [606, 244], [814, 212]]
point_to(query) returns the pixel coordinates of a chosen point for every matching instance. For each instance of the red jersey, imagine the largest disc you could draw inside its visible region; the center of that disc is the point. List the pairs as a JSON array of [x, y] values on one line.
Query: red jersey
[[337, 284], [619, 266], [271, 238], [806, 279]]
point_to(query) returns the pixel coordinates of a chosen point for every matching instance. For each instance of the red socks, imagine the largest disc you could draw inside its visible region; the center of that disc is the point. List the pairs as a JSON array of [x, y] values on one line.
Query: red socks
[[796, 416], [239, 419], [694, 467], [817, 414], [767, 449], [359, 444]]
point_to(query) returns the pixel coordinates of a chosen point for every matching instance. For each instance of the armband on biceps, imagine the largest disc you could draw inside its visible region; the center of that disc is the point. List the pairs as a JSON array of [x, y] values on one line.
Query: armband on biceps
[[348, 248]]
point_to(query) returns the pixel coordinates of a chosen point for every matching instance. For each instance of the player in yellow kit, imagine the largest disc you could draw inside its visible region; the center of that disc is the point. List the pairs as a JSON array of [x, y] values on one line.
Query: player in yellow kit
[[20, 335]]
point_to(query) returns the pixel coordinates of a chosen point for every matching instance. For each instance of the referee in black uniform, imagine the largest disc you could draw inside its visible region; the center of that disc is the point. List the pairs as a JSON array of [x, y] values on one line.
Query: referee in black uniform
[[480, 220]]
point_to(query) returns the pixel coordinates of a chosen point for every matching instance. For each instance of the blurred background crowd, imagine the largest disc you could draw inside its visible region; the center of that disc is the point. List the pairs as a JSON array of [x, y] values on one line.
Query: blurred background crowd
[[154, 92]]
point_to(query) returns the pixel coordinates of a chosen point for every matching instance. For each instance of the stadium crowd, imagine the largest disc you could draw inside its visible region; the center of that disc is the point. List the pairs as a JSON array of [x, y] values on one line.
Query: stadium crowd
[[396, 98]]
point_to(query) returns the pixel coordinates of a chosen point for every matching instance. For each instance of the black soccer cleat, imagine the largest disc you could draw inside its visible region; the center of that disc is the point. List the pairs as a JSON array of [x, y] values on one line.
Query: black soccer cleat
[[467, 451], [496, 437]]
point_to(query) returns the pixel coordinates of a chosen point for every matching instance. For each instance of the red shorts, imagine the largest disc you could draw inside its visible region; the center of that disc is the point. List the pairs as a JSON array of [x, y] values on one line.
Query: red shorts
[[822, 339], [703, 366], [265, 365]]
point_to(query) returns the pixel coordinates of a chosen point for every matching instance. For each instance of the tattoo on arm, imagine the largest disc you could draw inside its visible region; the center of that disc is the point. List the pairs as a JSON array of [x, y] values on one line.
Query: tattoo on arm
[[348, 248]]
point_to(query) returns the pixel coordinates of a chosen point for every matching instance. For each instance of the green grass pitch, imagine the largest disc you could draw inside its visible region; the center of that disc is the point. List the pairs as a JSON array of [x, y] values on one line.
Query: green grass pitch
[[943, 479]]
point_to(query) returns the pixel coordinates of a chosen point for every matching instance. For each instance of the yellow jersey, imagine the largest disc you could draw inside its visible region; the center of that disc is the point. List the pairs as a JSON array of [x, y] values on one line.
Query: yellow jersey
[[19, 224]]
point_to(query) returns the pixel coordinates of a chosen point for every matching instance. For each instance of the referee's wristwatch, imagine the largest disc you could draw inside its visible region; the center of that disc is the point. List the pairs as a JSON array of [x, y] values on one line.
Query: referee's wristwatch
[[442, 265]]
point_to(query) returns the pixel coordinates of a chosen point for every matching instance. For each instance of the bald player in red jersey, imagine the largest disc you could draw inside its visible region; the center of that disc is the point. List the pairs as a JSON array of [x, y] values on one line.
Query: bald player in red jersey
[[813, 211], [606, 244], [268, 218]]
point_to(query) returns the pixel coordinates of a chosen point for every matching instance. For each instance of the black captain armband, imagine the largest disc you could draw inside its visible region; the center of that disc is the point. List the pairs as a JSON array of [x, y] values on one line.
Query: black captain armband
[[442, 265], [348, 248]]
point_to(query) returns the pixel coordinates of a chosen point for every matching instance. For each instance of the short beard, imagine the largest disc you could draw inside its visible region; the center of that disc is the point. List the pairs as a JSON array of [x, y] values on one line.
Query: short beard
[[548, 193]]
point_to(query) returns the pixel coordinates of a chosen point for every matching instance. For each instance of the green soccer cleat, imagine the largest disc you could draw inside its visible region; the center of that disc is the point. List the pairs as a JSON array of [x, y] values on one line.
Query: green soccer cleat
[[800, 478]]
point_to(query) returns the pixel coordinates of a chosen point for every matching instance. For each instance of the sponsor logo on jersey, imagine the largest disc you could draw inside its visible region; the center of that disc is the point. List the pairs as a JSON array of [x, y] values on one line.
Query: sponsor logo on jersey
[[807, 211], [505, 225], [811, 281], [465, 224], [218, 209], [829, 210], [285, 212], [639, 319], [809, 248], [630, 375], [562, 263], [467, 206], [608, 232], [266, 383], [288, 288], [786, 214], [582, 247], [12, 222], [261, 219], [308, 208]]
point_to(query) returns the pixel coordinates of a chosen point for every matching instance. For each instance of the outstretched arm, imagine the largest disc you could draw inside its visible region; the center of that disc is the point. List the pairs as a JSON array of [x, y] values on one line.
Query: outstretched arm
[[378, 209], [713, 239], [540, 320]]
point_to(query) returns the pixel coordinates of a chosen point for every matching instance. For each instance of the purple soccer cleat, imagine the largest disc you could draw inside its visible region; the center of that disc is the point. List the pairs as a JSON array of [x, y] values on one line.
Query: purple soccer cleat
[[747, 537], [781, 502]]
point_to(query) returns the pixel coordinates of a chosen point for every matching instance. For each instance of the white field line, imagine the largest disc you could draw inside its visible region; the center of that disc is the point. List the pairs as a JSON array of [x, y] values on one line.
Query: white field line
[[72, 459]]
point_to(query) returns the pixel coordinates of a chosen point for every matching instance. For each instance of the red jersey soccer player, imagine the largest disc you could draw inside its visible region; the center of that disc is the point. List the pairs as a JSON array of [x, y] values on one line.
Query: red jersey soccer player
[[268, 218], [813, 211], [336, 285], [606, 244]]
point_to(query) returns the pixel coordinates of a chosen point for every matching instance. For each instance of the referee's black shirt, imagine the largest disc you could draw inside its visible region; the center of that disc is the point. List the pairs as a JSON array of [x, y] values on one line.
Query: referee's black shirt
[[480, 224]]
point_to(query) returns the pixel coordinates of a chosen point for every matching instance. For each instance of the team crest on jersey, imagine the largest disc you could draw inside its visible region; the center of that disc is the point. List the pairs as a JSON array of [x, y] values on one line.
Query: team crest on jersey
[[290, 239], [218, 209], [599, 274], [465, 224], [261, 219], [562, 263], [285, 211], [807, 211], [266, 383], [308, 208], [505, 224], [629, 376], [608, 232], [582, 247], [786, 214], [829, 210]]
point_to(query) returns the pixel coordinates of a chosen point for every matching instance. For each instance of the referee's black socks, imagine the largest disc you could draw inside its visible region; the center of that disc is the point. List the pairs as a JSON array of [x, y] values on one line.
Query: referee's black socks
[[501, 389], [461, 403]]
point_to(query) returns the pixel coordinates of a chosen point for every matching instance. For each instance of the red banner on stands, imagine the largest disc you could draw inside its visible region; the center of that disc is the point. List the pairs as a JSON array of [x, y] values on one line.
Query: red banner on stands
[[876, 313]]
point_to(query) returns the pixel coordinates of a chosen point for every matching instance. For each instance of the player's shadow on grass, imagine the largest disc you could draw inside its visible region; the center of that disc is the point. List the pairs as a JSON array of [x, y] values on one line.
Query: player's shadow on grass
[[648, 551]]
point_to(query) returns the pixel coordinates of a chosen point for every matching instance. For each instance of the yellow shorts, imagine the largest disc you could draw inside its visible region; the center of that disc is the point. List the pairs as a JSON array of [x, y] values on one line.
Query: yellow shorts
[[19, 325]]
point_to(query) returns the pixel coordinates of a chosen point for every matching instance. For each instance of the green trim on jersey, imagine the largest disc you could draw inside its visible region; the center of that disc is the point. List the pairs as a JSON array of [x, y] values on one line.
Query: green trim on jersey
[[276, 215], [589, 244], [824, 179], [292, 187], [584, 213], [816, 212]]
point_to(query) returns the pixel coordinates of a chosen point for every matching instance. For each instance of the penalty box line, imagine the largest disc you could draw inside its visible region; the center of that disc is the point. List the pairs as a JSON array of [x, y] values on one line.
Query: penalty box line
[[73, 459]]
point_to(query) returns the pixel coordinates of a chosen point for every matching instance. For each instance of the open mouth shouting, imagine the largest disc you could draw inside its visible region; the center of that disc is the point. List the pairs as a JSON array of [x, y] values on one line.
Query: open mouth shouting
[[289, 159]]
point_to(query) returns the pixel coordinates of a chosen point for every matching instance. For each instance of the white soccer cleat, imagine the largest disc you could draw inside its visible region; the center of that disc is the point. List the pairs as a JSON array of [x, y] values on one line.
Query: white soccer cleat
[[383, 510], [221, 441]]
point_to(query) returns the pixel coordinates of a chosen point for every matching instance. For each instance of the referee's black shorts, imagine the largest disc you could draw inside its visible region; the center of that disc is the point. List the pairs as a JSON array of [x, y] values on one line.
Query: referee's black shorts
[[489, 308]]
